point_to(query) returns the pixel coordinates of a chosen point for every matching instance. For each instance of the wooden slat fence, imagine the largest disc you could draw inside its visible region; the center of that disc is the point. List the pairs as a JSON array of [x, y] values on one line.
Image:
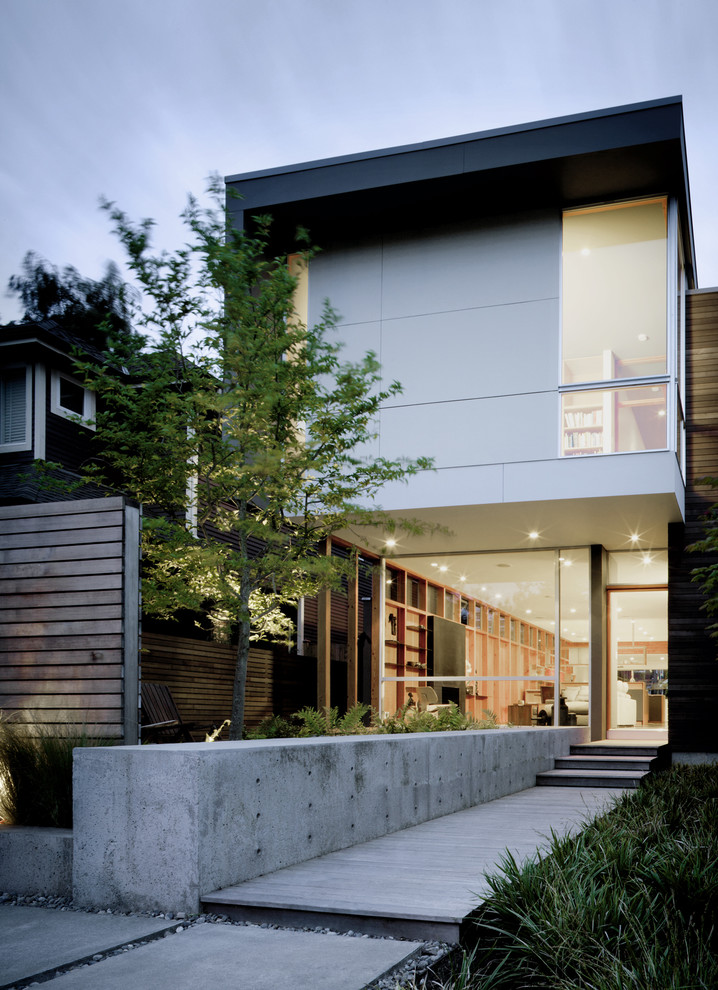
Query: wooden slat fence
[[69, 614], [200, 676]]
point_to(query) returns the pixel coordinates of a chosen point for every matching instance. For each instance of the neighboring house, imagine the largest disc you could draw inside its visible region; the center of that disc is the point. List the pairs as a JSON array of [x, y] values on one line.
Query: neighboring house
[[534, 289], [70, 630], [46, 412]]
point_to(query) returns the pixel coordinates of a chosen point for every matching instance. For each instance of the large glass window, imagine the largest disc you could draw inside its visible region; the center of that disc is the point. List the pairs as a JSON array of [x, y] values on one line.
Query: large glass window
[[614, 292], [614, 419], [615, 329], [504, 634]]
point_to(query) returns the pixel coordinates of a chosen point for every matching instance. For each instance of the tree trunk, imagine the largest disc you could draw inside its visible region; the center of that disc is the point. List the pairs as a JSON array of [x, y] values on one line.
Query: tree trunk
[[240, 671]]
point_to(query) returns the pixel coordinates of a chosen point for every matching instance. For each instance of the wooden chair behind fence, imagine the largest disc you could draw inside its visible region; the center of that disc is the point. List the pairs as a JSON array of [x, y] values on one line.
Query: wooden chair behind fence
[[161, 720]]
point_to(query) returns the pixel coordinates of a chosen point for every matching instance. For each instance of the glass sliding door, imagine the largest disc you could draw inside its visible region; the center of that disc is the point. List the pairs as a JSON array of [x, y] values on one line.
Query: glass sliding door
[[638, 659]]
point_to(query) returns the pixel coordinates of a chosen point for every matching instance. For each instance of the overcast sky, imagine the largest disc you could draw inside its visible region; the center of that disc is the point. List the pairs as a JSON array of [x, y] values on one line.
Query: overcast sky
[[140, 100]]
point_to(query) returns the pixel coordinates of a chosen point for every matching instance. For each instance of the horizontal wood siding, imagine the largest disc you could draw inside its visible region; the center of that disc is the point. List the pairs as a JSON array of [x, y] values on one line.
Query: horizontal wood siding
[[200, 676], [693, 676], [62, 602]]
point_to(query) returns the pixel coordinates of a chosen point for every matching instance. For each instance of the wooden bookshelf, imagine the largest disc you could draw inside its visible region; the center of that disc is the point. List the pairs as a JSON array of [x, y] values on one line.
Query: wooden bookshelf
[[498, 644]]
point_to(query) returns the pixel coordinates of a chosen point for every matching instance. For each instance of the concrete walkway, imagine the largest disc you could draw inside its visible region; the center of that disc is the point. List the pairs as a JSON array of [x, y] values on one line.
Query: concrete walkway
[[428, 877]]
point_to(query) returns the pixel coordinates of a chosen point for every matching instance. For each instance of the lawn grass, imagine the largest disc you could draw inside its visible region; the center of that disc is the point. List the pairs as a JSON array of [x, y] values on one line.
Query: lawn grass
[[630, 903]]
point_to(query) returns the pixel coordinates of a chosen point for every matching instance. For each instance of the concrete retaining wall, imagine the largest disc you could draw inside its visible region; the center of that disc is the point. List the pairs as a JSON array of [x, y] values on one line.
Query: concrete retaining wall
[[36, 860], [158, 826]]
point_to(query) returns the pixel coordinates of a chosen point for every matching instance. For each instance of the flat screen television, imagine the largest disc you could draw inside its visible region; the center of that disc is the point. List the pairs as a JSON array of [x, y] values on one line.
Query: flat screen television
[[447, 657]]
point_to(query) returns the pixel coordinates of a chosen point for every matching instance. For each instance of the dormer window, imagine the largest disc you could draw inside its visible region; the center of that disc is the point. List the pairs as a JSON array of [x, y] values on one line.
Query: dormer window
[[15, 406], [70, 399]]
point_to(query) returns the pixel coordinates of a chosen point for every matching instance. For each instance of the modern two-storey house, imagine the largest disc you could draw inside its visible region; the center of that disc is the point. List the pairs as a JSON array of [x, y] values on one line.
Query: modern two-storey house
[[531, 288]]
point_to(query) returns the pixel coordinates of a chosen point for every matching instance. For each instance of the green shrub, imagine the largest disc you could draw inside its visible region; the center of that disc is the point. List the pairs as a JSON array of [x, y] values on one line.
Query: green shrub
[[451, 719], [630, 902], [311, 722], [36, 772]]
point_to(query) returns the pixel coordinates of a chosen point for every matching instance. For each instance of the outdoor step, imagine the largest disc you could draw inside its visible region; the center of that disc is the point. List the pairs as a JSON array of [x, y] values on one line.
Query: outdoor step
[[590, 778], [608, 749], [642, 763]]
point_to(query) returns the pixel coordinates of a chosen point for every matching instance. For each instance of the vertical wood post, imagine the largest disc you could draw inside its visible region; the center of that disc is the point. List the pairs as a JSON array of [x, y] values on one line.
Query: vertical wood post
[[324, 639], [131, 625], [377, 632], [352, 638]]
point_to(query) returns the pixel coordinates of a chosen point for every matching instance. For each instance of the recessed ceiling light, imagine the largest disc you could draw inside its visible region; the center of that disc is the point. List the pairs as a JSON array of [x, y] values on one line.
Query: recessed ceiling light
[[443, 568], [573, 609], [528, 611], [434, 565], [643, 337], [391, 542], [533, 535]]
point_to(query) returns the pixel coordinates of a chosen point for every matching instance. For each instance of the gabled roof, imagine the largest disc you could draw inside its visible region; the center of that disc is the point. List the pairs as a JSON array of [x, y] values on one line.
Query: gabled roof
[[622, 152], [47, 334]]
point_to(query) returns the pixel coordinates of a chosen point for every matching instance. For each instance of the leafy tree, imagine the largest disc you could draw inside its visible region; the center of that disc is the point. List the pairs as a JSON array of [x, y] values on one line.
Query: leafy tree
[[241, 428], [97, 312]]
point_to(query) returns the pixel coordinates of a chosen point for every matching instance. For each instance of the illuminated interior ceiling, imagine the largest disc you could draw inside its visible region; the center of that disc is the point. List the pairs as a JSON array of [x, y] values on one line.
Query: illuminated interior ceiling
[[478, 550], [609, 522]]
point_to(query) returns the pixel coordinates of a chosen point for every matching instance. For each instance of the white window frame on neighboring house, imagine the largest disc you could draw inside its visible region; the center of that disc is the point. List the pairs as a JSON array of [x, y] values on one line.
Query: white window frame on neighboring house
[[23, 437], [86, 417]]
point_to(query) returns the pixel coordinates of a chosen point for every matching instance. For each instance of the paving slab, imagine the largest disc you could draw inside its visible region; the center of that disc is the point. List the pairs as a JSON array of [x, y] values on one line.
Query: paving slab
[[243, 958], [36, 940]]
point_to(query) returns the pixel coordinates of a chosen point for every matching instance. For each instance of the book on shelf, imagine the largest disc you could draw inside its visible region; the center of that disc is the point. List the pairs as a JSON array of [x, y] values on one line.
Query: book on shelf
[[578, 418]]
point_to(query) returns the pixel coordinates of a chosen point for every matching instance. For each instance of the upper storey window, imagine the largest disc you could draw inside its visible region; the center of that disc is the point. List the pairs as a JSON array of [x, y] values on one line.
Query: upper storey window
[[614, 292], [15, 394], [71, 400], [614, 356]]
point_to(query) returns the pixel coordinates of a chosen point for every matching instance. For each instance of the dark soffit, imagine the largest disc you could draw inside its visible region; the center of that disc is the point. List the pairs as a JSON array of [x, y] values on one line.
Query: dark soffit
[[625, 151]]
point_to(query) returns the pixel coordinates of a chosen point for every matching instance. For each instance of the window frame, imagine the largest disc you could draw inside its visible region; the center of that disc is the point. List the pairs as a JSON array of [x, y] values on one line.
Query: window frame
[[26, 442], [673, 360], [87, 416]]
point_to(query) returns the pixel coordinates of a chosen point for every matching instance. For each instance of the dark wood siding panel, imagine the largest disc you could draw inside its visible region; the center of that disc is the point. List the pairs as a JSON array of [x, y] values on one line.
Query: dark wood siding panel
[[62, 602], [200, 676], [69, 443], [693, 681]]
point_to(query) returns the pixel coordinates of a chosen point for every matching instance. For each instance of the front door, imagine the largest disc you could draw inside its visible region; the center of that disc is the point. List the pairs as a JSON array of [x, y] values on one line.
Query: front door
[[638, 658]]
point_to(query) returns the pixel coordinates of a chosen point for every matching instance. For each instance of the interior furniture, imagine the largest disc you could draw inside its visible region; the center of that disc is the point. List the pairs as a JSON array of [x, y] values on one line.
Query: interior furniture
[[520, 714], [637, 691], [161, 720], [429, 700], [657, 706]]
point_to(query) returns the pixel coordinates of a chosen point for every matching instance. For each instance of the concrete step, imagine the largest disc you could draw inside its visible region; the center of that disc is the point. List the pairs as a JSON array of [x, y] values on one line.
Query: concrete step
[[643, 763], [590, 778], [618, 749]]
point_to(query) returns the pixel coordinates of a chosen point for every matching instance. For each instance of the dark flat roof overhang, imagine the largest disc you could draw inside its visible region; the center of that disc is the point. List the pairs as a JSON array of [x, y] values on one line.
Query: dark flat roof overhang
[[606, 154]]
